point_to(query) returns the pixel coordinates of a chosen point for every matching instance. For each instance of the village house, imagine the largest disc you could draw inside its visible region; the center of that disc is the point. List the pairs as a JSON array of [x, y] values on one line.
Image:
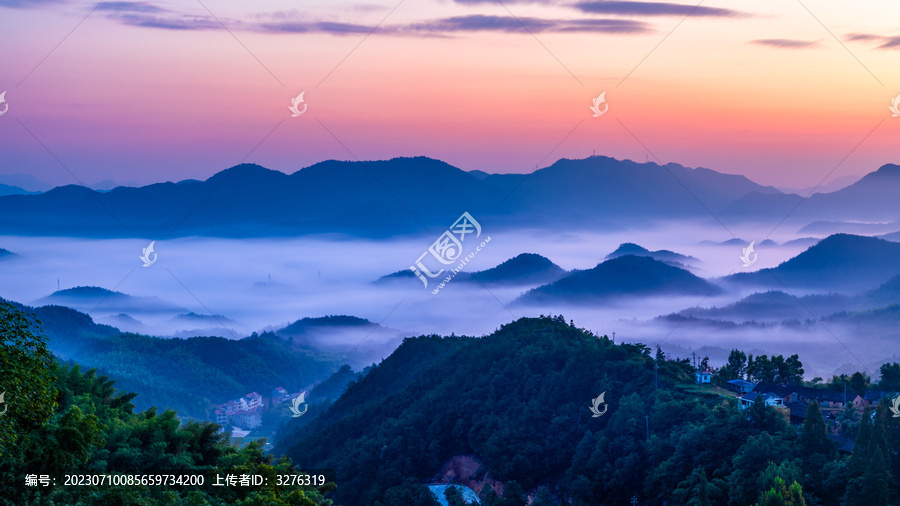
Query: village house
[[245, 412], [871, 398], [827, 399], [770, 398], [740, 386]]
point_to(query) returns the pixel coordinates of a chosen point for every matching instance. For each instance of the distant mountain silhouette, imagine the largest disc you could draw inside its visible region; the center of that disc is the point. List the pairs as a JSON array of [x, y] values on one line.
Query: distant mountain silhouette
[[730, 242], [870, 319], [203, 318], [803, 241], [25, 181], [404, 275], [663, 255], [14, 190], [844, 227], [886, 294], [91, 298], [841, 262], [619, 277], [774, 306], [871, 199], [366, 340], [381, 198], [523, 269], [305, 325], [6, 252]]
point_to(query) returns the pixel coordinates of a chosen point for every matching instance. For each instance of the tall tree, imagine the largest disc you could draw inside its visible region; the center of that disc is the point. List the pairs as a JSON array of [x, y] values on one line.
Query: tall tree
[[26, 382], [859, 383], [761, 369], [793, 372], [813, 434], [855, 493], [736, 366], [890, 377]]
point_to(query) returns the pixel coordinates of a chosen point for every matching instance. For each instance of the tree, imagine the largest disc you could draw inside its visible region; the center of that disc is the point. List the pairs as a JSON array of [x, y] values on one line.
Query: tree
[[782, 495], [859, 383], [27, 376], [856, 493], [454, 496], [409, 492], [513, 495], [848, 420], [793, 371], [736, 366], [544, 497], [890, 377], [760, 369], [749, 462], [813, 434]]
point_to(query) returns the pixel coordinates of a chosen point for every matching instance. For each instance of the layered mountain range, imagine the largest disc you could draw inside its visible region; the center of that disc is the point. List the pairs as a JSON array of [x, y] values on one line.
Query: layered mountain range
[[423, 195]]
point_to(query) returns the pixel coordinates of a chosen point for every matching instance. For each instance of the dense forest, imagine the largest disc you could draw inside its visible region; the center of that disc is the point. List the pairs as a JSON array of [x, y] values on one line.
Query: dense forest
[[59, 420], [187, 375], [517, 401]]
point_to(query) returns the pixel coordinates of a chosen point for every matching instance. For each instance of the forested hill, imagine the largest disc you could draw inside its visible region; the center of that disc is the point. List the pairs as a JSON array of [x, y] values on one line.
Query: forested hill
[[517, 402], [517, 399], [188, 375]]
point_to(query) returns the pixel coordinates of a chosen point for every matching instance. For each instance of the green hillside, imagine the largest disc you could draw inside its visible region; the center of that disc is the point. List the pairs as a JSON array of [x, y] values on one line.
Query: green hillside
[[518, 400]]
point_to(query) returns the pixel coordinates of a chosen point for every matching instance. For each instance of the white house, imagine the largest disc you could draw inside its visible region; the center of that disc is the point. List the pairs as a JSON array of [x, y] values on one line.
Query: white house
[[770, 399], [702, 377]]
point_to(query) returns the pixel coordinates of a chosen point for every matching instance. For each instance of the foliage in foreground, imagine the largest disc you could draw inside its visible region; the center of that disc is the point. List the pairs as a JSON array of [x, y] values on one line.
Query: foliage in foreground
[[62, 421]]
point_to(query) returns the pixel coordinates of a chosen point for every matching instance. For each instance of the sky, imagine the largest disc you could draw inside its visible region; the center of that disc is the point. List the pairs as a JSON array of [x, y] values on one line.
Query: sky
[[787, 93]]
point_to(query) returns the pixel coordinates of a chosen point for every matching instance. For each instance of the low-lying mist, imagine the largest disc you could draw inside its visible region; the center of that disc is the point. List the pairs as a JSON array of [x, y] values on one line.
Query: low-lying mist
[[236, 287]]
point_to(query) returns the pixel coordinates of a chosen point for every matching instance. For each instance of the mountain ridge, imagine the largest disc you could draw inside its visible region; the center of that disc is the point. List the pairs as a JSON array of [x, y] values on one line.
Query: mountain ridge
[[400, 196]]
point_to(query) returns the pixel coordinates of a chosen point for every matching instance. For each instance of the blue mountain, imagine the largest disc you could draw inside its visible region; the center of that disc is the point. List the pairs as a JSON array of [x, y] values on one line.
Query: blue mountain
[[663, 255], [523, 269], [841, 262], [625, 276], [380, 198], [871, 199]]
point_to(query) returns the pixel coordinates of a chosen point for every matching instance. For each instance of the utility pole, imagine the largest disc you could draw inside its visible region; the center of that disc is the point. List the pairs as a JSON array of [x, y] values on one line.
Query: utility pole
[[614, 338], [647, 419]]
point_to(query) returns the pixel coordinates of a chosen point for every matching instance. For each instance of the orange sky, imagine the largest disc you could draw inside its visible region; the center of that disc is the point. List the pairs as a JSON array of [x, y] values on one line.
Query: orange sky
[[774, 91]]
